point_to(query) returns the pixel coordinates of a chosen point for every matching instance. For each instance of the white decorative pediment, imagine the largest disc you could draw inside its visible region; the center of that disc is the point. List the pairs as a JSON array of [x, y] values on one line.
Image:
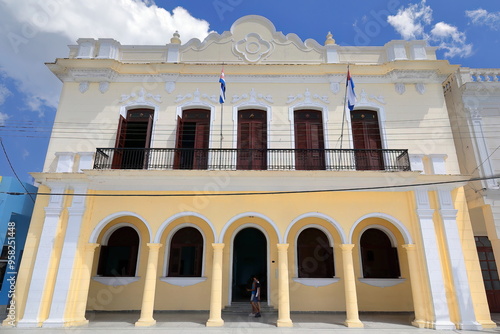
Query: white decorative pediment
[[252, 97], [307, 97], [252, 48], [140, 97], [197, 96]]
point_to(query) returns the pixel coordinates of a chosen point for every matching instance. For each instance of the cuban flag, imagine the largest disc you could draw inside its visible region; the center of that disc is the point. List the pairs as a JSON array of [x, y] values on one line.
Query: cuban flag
[[351, 95], [222, 80]]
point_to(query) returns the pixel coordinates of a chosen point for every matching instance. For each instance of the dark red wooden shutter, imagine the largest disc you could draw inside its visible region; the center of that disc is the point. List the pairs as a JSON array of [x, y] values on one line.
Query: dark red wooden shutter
[[121, 136]]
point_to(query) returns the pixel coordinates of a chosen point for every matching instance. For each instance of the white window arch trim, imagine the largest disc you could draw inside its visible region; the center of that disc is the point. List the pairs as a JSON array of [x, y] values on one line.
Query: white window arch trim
[[199, 105], [315, 282], [379, 282], [117, 281], [183, 281]]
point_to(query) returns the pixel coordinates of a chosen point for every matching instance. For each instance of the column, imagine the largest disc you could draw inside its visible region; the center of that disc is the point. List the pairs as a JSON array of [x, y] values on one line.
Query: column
[[457, 261], [215, 319], [66, 264], [83, 290], [351, 298], [148, 298], [283, 288], [34, 302], [433, 262], [416, 286]]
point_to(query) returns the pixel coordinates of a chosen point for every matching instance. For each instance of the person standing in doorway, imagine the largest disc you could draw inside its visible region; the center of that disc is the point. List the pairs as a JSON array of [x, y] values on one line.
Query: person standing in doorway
[[255, 297]]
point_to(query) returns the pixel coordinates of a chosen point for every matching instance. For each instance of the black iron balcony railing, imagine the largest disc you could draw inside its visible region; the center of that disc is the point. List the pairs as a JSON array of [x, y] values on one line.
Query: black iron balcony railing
[[251, 159]]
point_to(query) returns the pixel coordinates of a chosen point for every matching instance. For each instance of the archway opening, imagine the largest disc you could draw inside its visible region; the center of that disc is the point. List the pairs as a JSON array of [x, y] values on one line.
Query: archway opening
[[249, 258]]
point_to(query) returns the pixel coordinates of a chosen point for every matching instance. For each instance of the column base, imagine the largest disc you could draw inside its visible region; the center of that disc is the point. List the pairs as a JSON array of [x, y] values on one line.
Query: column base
[[215, 323], [354, 324], [77, 323], [284, 323], [419, 323], [145, 322], [444, 325], [488, 324], [470, 326], [53, 323], [28, 324]]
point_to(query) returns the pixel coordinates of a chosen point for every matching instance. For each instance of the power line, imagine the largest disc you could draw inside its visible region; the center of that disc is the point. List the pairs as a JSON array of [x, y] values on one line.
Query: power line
[[13, 170], [265, 193]]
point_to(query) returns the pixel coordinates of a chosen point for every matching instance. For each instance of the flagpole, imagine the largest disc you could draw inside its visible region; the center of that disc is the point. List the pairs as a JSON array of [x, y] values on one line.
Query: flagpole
[[344, 111], [222, 99]]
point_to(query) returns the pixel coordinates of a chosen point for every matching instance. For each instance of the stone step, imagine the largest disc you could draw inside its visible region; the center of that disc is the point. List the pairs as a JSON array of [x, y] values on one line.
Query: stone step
[[245, 307]]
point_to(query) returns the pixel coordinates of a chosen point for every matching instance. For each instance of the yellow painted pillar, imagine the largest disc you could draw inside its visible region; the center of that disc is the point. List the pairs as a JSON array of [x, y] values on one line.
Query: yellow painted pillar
[[351, 299], [283, 288], [215, 319], [78, 316], [416, 287], [148, 297]]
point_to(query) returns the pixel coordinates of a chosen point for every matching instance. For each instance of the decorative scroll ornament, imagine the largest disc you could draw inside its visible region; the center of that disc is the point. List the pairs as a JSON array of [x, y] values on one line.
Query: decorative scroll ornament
[[253, 96], [252, 48], [400, 88], [140, 97], [84, 86], [103, 86], [170, 86], [197, 96], [379, 99], [420, 87], [307, 97]]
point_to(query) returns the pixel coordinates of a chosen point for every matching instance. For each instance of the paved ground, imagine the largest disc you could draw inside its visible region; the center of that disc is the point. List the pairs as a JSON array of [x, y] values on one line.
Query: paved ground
[[194, 323]]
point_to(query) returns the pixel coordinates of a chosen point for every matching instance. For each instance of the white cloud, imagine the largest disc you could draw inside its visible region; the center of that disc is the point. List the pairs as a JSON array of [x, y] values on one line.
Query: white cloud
[[451, 40], [483, 17], [4, 93], [3, 118], [410, 22], [414, 21], [38, 31]]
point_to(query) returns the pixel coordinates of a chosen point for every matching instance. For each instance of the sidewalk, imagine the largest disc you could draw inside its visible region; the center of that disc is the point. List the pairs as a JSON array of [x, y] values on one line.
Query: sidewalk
[[194, 323]]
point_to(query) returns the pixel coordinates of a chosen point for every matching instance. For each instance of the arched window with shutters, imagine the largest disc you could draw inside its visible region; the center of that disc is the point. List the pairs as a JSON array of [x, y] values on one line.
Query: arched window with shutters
[[118, 257], [133, 138], [314, 255], [309, 140], [185, 253], [379, 257]]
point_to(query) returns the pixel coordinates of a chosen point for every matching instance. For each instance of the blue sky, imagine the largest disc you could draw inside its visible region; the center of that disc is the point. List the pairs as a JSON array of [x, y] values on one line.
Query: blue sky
[[33, 32]]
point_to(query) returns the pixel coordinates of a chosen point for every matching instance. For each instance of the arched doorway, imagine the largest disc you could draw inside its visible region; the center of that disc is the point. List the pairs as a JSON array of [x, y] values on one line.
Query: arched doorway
[[249, 258]]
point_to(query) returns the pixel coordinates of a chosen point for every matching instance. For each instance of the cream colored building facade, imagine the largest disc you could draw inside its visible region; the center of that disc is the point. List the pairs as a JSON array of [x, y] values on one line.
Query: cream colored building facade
[[159, 200], [473, 99]]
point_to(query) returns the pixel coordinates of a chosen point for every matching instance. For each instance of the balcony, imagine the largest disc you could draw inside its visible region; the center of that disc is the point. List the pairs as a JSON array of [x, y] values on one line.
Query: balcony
[[250, 159]]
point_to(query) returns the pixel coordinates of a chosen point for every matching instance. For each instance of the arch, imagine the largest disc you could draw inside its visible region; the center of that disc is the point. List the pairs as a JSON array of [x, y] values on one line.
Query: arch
[[169, 220], [401, 228], [246, 214], [303, 251], [168, 244], [102, 224], [333, 222], [231, 256], [377, 258]]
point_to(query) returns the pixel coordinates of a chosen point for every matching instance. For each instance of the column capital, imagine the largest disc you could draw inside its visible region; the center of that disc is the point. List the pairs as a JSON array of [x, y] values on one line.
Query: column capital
[[346, 247], [282, 247], [91, 247], [218, 246], [409, 247], [154, 245]]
